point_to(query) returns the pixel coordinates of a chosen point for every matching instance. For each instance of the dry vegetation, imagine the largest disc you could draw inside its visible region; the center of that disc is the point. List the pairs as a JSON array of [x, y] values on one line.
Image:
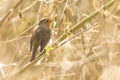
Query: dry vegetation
[[85, 43]]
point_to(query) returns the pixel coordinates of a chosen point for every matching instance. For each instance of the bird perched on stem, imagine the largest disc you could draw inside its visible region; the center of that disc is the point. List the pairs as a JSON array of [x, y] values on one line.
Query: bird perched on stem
[[40, 37]]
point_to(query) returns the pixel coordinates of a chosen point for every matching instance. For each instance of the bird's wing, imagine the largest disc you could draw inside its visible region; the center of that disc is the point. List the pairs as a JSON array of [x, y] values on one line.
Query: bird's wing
[[34, 37]]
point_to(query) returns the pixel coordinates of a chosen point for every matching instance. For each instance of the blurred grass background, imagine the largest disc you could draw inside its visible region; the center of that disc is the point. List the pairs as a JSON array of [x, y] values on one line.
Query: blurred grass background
[[93, 54]]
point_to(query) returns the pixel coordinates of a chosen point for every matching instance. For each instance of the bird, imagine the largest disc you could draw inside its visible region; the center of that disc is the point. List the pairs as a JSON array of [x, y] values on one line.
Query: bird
[[40, 37]]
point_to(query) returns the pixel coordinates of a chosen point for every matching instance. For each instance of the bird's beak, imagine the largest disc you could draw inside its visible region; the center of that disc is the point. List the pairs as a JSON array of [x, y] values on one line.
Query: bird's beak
[[51, 20]]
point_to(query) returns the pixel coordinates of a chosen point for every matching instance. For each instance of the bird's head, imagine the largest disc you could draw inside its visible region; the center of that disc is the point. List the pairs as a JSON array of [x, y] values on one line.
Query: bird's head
[[46, 21]]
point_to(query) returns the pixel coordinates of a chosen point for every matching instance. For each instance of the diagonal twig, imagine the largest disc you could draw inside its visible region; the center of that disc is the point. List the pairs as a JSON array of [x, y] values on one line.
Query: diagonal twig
[[83, 21]]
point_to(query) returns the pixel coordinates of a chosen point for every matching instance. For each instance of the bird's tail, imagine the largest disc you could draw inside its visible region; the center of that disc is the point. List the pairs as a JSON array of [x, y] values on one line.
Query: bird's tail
[[34, 53]]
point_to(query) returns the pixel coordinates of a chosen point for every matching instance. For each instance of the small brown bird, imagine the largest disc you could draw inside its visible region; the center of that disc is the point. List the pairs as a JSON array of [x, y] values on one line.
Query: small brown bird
[[40, 37]]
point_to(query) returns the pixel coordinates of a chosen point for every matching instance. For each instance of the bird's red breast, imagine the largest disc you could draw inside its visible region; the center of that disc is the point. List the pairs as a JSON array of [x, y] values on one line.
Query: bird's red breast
[[48, 22]]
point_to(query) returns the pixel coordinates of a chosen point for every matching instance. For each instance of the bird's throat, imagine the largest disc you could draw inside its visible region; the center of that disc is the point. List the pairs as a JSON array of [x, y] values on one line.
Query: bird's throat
[[48, 24]]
